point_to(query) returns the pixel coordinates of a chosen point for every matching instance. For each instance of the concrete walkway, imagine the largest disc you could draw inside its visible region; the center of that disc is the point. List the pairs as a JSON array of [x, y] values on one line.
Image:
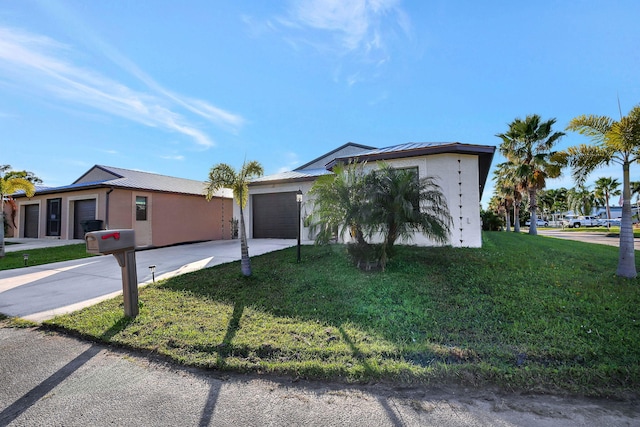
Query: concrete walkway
[[42, 292]]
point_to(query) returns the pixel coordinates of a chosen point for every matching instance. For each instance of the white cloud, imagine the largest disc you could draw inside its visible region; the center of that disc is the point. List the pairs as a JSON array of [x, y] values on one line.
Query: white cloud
[[40, 64], [292, 161], [356, 25]]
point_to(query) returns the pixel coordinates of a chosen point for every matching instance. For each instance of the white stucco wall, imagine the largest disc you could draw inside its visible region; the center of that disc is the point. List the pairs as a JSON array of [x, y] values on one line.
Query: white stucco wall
[[457, 176]]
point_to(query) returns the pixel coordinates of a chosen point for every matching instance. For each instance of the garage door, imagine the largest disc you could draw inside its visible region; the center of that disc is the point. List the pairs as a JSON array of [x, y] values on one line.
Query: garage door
[[31, 218], [275, 216], [83, 210]]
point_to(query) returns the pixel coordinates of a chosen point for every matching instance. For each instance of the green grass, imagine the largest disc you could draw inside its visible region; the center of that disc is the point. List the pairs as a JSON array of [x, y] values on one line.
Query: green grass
[[524, 313], [43, 256]]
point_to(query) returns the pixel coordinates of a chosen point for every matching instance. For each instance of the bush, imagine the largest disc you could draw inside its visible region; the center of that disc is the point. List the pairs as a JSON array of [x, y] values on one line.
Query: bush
[[491, 221]]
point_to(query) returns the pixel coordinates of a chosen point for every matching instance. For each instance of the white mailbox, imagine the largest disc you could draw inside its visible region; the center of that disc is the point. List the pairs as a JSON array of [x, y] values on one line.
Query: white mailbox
[[109, 241]]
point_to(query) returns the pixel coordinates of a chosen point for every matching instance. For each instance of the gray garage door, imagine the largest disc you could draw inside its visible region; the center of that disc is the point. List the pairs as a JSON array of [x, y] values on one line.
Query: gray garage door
[[31, 218], [83, 210], [275, 216]]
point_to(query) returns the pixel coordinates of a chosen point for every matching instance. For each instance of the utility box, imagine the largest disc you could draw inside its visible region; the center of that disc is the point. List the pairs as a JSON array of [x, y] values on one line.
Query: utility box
[[120, 243], [109, 241]]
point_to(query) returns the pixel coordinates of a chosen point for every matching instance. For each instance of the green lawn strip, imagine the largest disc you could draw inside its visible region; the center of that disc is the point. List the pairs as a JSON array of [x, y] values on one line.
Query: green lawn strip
[[523, 312], [43, 256], [613, 231]]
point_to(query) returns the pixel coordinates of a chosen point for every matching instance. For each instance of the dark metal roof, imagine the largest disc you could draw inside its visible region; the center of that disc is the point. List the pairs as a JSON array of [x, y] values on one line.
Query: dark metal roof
[[291, 176]]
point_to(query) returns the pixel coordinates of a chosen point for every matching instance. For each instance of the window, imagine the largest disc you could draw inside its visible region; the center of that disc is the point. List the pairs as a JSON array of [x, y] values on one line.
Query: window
[[141, 208]]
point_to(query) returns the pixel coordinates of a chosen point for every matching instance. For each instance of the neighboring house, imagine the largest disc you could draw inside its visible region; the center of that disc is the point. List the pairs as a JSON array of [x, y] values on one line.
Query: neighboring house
[[162, 210], [461, 169]]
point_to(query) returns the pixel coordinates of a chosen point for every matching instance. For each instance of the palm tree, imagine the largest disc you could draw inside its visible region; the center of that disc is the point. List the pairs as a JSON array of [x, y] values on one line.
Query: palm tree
[[11, 182], [510, 186], [224, 176], [581, 200], [400, 204], [615, 142], [605, 188], [527, 146], [339, 200]]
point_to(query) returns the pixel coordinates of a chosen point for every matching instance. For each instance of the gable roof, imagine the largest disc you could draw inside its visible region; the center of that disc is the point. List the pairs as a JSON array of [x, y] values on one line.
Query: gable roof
[[350, 148], [100, 176]]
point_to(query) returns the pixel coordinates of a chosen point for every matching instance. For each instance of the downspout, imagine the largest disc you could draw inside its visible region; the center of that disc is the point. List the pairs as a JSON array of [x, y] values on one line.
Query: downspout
[[106, 216]]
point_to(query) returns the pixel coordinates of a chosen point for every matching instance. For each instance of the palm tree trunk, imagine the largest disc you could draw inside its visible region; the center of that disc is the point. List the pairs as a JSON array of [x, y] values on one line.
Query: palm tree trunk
[[533, 220], [508, 219], [516, 217], [2, 234], [626, 259], [245, 261]]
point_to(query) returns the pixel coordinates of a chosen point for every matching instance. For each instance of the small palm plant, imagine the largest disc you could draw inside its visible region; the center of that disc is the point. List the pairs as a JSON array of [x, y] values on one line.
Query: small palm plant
[[224, 176]]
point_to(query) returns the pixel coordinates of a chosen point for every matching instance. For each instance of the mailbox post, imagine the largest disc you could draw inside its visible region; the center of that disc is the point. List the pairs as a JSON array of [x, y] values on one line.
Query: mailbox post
[[120, 243]]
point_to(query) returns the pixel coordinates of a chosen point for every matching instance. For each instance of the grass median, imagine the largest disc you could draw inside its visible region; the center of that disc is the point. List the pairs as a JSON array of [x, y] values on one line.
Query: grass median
[[524, 313]]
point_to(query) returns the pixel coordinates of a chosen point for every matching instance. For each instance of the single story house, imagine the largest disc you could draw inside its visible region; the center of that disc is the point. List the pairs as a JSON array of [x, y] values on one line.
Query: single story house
[[461, 171], [162, 210]]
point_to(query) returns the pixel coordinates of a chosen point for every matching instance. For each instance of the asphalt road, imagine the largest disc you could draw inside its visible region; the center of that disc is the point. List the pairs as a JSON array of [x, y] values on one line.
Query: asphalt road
[[54, 380]]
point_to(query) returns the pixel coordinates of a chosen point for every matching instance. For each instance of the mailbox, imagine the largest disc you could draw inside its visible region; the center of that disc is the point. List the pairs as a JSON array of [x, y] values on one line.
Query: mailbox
[[109, 241], [120, 243]]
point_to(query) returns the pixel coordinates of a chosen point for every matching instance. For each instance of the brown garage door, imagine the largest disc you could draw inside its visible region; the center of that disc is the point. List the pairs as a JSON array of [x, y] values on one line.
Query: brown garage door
[[275, 216], [31, 219], [83, 210]]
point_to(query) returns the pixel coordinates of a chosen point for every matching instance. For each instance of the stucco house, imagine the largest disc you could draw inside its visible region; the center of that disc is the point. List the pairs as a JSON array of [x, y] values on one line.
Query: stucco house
[[162, 210], [461, 170]]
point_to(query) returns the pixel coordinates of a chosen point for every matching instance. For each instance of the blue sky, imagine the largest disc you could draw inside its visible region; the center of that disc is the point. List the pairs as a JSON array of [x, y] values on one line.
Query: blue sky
[[176, 87]]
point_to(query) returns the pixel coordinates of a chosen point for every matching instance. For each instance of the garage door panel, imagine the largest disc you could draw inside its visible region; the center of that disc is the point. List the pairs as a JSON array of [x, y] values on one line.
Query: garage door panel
[[84, 210], [31, 220], [275, 216]]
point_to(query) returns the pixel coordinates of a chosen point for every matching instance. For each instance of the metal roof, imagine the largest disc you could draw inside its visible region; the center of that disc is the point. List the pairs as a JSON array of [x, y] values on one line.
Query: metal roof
[[297, 175], [127, 178]]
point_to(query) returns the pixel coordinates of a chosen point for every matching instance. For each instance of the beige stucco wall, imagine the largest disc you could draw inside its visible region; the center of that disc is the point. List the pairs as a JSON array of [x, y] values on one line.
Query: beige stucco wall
[[185, 218], [67, 211], [171, 218]]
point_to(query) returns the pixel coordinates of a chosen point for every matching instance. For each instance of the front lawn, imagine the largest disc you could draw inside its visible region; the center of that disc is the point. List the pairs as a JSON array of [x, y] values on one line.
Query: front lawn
[[43, 256], [525, 313]]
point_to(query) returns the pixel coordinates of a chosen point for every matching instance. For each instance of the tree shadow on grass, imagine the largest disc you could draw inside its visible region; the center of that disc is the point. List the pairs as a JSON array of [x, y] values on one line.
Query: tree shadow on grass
[[225, 348]]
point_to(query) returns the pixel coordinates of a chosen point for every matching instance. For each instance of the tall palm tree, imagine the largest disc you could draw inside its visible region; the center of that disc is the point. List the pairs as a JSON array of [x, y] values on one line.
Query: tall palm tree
[[511, 186], [605, 188], [11, 182], [527, 146], [224, 176], [615, 142]]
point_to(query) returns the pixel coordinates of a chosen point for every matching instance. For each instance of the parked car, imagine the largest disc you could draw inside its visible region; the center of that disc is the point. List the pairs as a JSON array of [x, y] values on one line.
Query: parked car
[[581, 221], [539, 223], [612, 222]]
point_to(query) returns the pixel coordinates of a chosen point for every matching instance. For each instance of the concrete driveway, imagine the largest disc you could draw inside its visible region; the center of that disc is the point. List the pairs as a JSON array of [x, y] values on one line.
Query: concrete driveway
[[42, 292]]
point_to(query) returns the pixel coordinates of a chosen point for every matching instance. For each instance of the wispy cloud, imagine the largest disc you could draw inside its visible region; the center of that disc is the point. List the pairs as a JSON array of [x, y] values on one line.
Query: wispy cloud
[[292, 160], [41, 64], [355, 25]]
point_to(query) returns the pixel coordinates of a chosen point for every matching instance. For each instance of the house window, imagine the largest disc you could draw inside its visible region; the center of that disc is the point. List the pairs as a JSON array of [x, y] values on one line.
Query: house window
[[141, 208]]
